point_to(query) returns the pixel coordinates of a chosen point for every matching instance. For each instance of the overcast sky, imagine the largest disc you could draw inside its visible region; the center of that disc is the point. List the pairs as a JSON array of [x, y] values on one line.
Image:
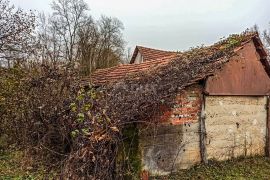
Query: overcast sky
[[175, 24]]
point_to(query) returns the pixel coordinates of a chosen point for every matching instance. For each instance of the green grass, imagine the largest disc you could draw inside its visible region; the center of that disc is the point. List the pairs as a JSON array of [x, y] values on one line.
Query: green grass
[[242, 168], [11, 168]]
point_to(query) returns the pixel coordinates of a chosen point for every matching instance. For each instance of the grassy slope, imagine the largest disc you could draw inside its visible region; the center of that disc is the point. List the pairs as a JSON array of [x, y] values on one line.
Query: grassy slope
[[249, 168]]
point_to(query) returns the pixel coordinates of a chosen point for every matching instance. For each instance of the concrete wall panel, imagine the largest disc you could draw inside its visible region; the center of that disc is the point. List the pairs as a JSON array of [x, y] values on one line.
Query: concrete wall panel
[[235, 126]]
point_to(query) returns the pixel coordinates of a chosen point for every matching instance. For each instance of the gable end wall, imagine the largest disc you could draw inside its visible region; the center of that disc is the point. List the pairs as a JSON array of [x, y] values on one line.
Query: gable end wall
[[244, 74]]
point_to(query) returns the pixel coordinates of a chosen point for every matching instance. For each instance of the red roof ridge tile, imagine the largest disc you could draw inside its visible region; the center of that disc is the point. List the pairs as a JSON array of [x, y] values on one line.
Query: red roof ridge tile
[[150, 54], [155, 49]]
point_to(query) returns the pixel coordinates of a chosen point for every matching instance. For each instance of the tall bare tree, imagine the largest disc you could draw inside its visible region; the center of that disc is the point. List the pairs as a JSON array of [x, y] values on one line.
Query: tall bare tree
[[50, 41], [89, 38], [101, 44], [68, 17], [16, 33], [112, 42], [71, 34]]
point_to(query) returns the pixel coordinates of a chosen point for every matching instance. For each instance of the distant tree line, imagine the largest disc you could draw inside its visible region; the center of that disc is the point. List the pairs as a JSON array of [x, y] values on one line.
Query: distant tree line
[[69, 35]]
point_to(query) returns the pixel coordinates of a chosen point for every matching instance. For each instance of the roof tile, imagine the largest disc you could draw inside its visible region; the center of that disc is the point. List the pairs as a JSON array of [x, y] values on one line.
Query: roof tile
[[150, 54], [117, 73]]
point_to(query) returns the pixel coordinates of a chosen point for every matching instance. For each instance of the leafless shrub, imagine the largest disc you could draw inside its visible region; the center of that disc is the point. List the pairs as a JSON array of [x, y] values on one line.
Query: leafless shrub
[[16, 34], [36, 109]]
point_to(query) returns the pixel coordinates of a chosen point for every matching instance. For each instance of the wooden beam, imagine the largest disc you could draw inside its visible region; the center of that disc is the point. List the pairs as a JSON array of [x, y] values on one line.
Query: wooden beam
[[267, 146], [203, 133]]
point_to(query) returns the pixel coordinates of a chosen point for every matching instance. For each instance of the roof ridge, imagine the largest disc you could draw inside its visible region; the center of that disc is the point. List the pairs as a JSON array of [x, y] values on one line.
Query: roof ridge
[[155, 49], [150, 54]]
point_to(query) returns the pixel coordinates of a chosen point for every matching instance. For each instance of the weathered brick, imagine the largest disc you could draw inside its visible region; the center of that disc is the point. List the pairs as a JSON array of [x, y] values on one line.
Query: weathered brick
[[176, 135]]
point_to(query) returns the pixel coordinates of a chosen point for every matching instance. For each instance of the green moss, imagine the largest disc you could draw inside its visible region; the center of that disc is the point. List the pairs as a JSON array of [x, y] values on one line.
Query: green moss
[[129, 157]]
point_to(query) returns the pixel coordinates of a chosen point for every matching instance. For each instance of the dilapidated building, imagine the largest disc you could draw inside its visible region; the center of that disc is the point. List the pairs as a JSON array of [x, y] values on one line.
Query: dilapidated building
[[219, 115]]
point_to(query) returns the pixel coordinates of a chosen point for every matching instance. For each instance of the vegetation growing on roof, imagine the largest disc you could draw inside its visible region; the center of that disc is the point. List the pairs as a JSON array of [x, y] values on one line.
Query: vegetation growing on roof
[[225, 46]]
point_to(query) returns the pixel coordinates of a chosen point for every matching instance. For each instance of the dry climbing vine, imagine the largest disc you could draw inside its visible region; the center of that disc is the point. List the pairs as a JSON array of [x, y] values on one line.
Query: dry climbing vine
[[137, 98]]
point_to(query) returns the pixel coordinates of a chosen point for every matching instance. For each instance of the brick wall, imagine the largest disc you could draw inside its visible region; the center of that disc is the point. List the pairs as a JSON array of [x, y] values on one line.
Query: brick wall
[[173, 143], [187, 106]]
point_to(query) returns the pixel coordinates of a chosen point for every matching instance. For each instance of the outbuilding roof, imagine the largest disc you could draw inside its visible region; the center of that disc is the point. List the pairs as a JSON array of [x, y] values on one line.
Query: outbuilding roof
[[150, 54], [115, 73], [195, 56]]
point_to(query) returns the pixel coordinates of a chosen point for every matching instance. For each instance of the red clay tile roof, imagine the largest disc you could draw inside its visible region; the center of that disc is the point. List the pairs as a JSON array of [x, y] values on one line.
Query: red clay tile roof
[[115, 73], [150, 54]]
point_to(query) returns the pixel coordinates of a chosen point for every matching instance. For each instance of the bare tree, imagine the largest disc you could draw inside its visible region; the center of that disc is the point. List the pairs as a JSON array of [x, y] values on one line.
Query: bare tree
[[112, 44], [89, 38], [101, 44], [128, 55], [68, 17], [70, 34], [16, 33], [49, 41]]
